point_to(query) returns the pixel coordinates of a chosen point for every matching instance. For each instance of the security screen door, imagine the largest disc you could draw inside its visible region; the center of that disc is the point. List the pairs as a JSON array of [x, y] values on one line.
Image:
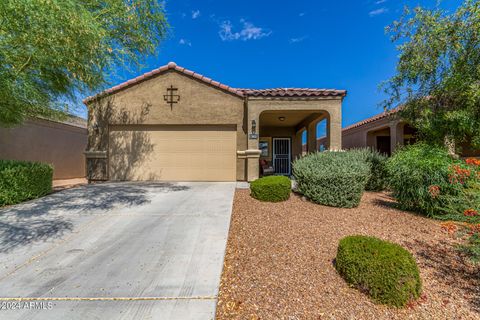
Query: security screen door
[[281, 156]]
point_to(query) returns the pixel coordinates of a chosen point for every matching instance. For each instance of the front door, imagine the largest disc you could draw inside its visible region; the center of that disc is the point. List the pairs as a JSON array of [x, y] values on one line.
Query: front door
[[281, 156]]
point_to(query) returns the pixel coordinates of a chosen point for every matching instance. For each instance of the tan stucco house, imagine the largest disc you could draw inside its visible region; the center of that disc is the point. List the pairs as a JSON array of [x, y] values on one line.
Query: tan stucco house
[[174, 124], [385, 132]]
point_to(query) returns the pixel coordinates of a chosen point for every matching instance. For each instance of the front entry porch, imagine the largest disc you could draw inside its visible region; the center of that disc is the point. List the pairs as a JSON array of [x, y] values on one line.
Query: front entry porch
[[281, 135], [279, 126]]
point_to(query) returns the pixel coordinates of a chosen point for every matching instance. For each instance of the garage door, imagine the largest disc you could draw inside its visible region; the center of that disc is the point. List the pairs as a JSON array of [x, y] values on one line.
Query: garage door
[[172, 153]]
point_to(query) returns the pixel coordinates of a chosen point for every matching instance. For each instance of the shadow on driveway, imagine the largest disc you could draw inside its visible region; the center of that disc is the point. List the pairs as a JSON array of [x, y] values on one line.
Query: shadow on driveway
[[50, 217]]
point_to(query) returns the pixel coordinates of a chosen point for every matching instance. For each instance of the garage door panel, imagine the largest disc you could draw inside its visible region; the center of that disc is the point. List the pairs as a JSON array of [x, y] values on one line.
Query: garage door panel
[[172, 153]]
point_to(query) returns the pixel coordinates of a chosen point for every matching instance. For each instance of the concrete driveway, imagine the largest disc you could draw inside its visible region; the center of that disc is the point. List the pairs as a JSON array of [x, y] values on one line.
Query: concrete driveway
[[116, 251]]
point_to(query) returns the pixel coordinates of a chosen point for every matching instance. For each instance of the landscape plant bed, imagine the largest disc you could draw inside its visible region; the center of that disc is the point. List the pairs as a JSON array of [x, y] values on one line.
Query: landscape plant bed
[[279, 262]]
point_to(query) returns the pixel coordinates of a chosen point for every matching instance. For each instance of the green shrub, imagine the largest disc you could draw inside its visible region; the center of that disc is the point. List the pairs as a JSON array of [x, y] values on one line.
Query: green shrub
[[272, 188], [385, 271], [334, 179], [472, 247], [20, 181], [419, 178], [378, 174]]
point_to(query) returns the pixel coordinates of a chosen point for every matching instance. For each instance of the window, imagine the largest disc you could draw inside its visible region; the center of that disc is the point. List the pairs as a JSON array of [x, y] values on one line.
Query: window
[[264, 146]]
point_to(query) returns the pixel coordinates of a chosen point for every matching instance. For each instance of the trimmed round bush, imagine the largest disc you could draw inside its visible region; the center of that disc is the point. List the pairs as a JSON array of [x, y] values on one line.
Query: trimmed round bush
[[336, 179], [271, 189], [21, 180], [385, 271]]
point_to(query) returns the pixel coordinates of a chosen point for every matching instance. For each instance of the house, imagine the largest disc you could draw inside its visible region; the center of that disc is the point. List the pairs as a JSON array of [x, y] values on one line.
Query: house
[[59, 143], [384, 132], [173, 124]]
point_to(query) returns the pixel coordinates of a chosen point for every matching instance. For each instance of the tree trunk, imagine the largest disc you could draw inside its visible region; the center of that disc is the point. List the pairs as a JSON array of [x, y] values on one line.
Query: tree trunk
[[449, 142]]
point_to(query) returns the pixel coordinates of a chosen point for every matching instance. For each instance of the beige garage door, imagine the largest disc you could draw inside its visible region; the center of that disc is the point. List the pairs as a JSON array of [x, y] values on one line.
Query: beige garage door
[[172, 153]]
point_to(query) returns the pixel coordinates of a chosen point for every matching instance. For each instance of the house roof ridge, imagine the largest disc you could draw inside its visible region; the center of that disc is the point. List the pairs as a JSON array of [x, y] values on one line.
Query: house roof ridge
[[373, 118], [169, 66], [242, 92]]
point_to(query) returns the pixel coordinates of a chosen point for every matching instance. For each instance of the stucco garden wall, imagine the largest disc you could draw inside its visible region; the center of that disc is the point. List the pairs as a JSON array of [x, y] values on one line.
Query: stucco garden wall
[[59, 144]]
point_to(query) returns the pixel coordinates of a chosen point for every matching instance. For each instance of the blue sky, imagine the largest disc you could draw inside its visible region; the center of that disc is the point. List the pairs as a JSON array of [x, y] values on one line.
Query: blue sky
[[262, 44]]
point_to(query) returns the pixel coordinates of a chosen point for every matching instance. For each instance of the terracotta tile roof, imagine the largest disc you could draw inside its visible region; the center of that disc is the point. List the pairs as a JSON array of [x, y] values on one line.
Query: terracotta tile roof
[[153, 73], [372, 119], [275, 92], [293, 92]]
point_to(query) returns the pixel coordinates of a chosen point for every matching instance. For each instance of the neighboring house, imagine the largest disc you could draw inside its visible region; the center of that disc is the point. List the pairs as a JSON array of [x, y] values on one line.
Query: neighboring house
[[60, 143], [384, 132], [175, 124]]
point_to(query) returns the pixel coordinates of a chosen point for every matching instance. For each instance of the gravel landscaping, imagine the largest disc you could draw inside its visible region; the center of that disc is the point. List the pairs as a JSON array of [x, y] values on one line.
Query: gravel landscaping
[[279, 262]]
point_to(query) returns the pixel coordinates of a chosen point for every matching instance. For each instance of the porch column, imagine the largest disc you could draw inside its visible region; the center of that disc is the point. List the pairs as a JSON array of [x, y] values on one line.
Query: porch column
[[396, 136], [297, 145], [370, 140], [334, 129], [312, 137], [252, 153], [253, 166]]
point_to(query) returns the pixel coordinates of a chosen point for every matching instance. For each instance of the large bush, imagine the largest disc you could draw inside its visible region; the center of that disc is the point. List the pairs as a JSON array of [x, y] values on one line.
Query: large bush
[[385, 271], [378, 174], [272, 188], [336, 179], [20, 181], [426, 179]]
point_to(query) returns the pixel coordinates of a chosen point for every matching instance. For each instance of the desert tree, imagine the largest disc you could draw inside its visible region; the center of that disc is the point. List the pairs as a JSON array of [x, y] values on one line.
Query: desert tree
[[437, 79], [52, 51]]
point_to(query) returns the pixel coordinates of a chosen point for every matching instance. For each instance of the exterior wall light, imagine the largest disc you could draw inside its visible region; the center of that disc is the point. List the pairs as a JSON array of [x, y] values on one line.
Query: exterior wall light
[[281, 118], [254, 126]]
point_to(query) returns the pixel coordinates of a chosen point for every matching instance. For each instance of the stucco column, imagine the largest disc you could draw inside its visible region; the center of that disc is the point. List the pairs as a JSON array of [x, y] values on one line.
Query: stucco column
[[396, 136], [297, 144], [312, 137], [253, 166], [334, 128], [370, 140], [253, 153]]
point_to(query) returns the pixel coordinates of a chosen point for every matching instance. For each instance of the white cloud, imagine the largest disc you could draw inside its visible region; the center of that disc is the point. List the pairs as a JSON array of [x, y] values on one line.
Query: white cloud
[[377, 12], [297, 40], [301, 14], [195, 14], [380, 1], [249, 31], [185, 42]]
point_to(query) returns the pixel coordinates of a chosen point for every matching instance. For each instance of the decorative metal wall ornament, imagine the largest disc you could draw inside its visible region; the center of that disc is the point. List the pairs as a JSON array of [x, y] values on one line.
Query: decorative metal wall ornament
[[254, 134], [171, 97]]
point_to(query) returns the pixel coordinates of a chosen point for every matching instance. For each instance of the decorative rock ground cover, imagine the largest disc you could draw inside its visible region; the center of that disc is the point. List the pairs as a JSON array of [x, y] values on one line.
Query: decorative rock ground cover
[[280, 262]]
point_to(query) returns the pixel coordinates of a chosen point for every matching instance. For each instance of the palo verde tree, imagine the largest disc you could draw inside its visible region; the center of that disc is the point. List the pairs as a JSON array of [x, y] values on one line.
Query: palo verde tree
[[53, 50], [437, 81]]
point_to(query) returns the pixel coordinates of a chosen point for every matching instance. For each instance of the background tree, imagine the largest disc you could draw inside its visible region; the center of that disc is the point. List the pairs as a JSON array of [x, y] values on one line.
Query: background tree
[[53, 50], [438, 73]]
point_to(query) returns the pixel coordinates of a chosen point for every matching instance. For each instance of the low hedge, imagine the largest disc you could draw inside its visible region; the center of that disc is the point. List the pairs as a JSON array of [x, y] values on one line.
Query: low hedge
[[336, 179], [20, 181], [271, 189], [385, 271]]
